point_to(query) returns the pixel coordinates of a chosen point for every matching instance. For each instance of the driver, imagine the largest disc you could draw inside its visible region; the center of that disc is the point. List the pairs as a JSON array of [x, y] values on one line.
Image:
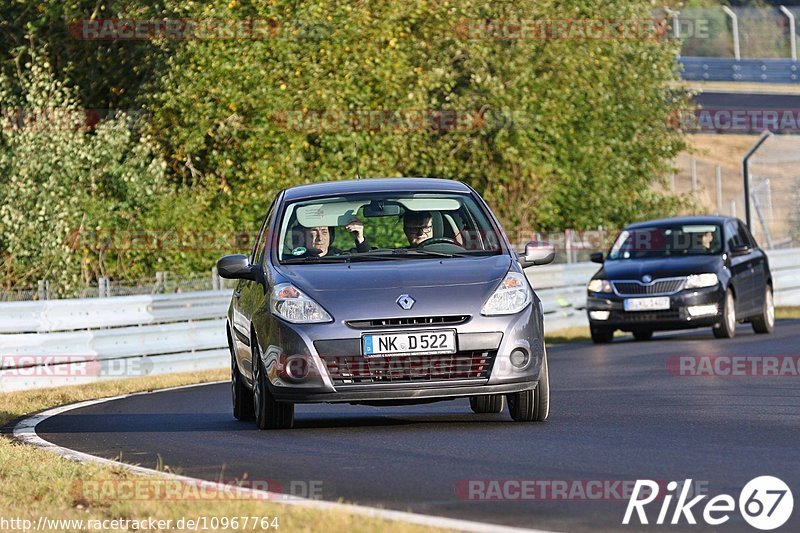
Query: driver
[[705, 240], [418, 226]]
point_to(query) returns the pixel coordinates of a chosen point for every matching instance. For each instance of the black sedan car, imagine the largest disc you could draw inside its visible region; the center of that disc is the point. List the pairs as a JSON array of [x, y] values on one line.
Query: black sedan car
[[681, 273]]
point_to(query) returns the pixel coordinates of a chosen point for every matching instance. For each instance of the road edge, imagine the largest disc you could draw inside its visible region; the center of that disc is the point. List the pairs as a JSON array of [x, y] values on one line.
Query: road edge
[[24, 430]]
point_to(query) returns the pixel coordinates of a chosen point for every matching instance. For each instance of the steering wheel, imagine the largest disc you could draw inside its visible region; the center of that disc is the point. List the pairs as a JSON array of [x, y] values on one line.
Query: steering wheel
[[438, 240]]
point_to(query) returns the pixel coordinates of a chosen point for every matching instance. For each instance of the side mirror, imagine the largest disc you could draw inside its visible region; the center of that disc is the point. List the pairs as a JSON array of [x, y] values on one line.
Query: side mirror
[[235, 267], [740, 249], [596, 257], [537, 253]]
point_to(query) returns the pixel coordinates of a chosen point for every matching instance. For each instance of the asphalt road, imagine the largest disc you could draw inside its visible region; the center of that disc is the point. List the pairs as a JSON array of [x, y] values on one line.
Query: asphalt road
[[617, 414]]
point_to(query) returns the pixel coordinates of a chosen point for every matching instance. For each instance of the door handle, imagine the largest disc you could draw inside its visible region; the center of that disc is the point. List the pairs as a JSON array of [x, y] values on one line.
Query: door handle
[[236, 294]]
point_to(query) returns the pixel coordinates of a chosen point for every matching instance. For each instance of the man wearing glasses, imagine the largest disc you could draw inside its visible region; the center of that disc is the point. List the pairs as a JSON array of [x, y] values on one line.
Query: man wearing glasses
[[418, 226]]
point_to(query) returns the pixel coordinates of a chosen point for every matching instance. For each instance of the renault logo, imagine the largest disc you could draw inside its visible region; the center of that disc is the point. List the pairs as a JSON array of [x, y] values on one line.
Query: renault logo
[[405, 301], [647, 278]]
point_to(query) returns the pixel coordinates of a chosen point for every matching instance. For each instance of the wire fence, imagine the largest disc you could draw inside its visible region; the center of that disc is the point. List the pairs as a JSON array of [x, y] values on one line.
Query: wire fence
[[161, 283]]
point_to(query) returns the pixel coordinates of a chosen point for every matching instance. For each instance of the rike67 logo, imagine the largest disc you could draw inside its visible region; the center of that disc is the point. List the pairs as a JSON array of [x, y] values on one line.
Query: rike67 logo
[[765, 503]]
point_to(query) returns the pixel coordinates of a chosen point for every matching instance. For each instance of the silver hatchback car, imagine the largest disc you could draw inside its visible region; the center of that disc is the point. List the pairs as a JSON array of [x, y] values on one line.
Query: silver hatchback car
[[384, 292]]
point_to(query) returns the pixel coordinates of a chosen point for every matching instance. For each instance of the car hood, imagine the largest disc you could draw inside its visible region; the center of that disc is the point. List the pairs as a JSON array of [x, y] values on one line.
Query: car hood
[[371, 289], [660, 267]]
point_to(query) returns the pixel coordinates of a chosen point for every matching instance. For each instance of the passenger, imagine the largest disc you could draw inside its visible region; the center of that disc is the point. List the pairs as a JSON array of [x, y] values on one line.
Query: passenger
[[317, 240]]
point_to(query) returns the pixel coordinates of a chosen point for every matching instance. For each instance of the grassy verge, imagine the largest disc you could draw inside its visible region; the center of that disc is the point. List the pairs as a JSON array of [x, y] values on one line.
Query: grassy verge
[[787, 312], [38, 483]]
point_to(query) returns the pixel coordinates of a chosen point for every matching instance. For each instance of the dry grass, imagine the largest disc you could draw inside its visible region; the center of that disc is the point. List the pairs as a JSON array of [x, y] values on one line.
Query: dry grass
[[787, 312], [39, 483]]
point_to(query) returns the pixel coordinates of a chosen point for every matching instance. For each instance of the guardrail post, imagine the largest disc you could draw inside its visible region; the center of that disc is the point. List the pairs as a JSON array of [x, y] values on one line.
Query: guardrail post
[[694, 179], [215, 281], [102, 287], [792, 32], [735, 29]]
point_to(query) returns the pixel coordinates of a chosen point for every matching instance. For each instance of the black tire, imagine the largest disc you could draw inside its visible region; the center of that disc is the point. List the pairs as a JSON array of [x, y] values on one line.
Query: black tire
[[765, 322], [270, 414], [601, 335], [643, 334], [727, 327], [532, 405], [487, 403], [241, 396]]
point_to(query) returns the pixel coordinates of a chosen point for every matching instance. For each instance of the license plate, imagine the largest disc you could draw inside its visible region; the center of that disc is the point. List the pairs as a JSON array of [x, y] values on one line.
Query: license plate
[[409, 342], [647, 304]]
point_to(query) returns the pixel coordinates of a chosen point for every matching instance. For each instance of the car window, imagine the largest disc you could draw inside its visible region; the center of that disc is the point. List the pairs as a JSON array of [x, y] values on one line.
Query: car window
[[667, 240], [744, 235], [384, 226], [732, 235]]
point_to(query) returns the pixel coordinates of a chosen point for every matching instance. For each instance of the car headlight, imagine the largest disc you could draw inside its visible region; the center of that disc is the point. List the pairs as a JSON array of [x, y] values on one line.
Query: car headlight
[[289, 303], [512, 296], [600, 285], [698, 281]]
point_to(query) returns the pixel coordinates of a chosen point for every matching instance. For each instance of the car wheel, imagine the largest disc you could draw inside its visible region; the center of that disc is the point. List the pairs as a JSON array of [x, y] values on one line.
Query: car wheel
[[601, 335], [270, 414], [241, 396], [727, 328], [487, 403], [643, 334], [765, 322], [532, 405]]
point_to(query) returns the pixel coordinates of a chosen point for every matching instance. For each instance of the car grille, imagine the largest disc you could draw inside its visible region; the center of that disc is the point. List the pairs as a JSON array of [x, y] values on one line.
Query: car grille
[[659, 286], [356, 370], [408, 321]]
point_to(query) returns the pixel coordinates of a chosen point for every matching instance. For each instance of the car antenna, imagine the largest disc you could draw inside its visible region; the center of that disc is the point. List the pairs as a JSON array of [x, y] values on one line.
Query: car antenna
[[358, 171]]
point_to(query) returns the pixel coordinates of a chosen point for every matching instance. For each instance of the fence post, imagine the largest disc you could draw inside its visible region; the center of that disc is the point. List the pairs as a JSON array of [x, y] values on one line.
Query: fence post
[[43, 290], [735, 28], [733, 208], [215, 281], [719, 189], [792, 34], [161, 279], [694, 179]]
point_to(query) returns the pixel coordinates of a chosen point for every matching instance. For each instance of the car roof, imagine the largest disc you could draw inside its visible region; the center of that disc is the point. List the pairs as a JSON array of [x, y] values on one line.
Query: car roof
[[698, 219], [369, 185]]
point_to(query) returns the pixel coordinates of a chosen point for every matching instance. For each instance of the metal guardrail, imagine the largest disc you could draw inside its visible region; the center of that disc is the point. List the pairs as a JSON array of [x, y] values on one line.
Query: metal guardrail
[[729, 69], [127, 336]]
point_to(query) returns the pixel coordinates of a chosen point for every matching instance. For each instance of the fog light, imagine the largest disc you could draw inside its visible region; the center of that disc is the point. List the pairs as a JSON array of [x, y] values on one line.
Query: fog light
[[702, 310], [599, 315], [519, 358], [295, 368]]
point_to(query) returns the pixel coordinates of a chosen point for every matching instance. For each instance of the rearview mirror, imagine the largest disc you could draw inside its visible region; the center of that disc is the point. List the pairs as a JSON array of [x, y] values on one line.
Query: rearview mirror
[[596, 257], [537, 253], [235, 266], [379, 208]]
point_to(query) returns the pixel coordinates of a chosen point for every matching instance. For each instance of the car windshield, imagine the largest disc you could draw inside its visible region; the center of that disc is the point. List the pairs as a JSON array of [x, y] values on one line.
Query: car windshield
[[667, 241], [385, 226]]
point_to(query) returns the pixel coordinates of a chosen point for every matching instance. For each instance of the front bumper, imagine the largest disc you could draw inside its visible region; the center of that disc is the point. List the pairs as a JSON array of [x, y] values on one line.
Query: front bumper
[[333, 369], [676, 317]]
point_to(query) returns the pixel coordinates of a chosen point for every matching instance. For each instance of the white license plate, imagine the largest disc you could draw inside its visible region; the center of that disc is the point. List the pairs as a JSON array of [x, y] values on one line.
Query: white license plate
[[409, 342], [647, 304]]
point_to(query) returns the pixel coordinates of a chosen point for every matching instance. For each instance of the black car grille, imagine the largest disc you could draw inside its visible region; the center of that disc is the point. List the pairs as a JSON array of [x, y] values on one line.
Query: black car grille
[[408, 321], [356, 370], [661, 286], [648, 316]]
